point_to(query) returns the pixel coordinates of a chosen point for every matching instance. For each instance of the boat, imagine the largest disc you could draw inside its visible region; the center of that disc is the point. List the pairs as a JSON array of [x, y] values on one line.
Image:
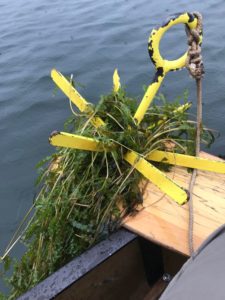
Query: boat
[[153, 248], [139, 261]]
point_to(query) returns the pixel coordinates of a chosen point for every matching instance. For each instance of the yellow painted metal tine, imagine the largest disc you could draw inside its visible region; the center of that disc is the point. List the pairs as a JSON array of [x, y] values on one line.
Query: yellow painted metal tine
[[164, 183], [187, 161], [116, 81], [69, 90], [181, 108], [68, 140], [74, 96], [148, 97], [97, 122]]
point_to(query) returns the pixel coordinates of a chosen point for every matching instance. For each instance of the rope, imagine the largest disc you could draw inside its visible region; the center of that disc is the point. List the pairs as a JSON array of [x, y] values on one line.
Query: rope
[[195, 67], [194, 62]]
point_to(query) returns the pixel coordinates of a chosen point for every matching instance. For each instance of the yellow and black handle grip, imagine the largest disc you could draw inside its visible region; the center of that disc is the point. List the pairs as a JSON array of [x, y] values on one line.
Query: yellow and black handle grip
[[162, 65]]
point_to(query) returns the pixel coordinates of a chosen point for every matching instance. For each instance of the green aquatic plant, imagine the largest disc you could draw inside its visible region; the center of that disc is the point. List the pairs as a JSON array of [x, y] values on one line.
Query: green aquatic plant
[[84, 195]]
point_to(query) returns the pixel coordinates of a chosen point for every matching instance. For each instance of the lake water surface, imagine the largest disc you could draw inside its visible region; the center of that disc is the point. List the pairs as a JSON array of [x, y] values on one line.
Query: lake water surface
[[89, 39]]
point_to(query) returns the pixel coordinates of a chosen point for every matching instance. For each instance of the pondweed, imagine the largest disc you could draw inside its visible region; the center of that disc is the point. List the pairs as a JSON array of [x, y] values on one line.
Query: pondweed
[[84, 195]]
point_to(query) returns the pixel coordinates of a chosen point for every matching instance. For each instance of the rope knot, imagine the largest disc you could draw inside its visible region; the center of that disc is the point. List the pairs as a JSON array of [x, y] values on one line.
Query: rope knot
[[194, 62]]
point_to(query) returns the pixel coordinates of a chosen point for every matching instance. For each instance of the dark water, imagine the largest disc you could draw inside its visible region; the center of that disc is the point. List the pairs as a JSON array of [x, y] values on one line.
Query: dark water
[[89, 39]]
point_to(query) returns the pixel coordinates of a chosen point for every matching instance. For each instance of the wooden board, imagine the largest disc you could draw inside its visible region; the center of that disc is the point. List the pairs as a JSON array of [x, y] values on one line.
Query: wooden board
[[163, 221]]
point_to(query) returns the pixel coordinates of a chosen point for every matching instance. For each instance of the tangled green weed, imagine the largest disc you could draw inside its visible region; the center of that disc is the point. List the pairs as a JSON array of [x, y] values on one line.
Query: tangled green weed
[[84, 195]]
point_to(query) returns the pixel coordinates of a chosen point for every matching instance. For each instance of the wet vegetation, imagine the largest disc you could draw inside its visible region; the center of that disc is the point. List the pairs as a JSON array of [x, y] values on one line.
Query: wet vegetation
[[84, 195]]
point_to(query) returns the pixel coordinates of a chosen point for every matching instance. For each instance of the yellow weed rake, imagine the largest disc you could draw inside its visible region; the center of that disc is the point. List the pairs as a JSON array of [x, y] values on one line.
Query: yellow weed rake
[[140, 163]]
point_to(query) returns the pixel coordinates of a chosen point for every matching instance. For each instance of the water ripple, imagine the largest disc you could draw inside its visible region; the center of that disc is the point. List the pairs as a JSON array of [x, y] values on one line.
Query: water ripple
[[88, 39]]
